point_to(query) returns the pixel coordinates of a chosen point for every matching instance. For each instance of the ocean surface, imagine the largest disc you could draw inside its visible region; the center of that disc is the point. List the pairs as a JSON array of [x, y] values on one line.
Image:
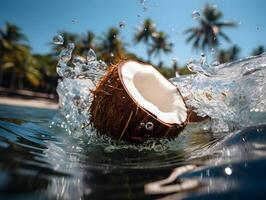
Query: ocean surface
[[42, 161]]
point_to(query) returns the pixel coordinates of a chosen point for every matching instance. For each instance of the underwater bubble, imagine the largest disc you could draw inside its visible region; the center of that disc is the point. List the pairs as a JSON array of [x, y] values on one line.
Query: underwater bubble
[[195, 15], [122, 24], [58, 40], [149, 126], [91, 56]]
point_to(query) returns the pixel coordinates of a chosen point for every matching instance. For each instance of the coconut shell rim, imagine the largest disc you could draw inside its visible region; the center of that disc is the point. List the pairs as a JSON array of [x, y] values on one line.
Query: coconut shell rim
[[119, 67]]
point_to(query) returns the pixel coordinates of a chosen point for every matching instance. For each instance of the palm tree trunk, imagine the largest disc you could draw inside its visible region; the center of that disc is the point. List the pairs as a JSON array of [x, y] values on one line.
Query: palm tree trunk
[[148, 53], [1, 75], [13, 80]]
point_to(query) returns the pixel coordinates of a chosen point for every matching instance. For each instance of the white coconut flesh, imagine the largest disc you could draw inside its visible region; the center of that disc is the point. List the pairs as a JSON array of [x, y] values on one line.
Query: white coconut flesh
[[153, 92]]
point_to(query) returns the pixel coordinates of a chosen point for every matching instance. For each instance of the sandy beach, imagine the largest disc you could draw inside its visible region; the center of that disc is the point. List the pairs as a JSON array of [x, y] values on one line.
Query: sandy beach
[[37, 103], [27, 98]]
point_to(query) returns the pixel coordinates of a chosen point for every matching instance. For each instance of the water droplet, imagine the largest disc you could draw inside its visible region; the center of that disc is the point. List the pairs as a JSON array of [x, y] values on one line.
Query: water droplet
[[58, 40], [142, 2], [228, 171], [66, 54], [122, 24], [203, 58], [215, 63], [149, 126], [102, 65], [195, 15], [145, 8], [177, 74], [78, 61], [174, 59], [74, 21], [91, 56], [212, 51]]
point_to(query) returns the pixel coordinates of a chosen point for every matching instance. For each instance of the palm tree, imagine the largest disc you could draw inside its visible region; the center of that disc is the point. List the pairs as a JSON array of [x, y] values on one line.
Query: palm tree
[[160, 45], [111, 46], [231, 54], [144, 34], [16, 58], [209, 31], [259, 50], [87, 42]]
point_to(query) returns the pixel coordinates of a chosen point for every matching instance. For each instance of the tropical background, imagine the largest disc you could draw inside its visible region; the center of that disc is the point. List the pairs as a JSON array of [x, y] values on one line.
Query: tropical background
[[28, 61]]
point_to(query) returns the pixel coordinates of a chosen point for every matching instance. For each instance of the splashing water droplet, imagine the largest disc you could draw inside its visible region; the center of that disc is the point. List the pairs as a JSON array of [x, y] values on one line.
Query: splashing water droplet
[[177, 74], [74, 21], [215, 63], [66, 54], [195, 15], [142, 2], [145, 8], [91, 56], [58, 40], [212, 51], [174, 59], [228, 171], [149, 126], [122, 24], [203, 58], [103, 65], [78, 60]]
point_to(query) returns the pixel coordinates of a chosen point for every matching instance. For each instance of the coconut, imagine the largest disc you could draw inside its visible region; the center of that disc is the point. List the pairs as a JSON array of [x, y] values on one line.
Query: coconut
[[133, 101]]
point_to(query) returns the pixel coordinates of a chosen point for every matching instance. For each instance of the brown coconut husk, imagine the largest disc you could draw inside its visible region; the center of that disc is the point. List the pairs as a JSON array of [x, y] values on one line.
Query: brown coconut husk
[[115, 113]]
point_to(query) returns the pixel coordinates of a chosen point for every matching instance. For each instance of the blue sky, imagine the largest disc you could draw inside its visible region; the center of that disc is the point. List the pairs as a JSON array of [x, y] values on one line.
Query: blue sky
[[40, 21]]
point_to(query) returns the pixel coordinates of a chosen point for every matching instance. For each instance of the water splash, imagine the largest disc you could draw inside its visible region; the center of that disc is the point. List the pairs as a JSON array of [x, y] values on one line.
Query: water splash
[[74, 89], [232, 94]]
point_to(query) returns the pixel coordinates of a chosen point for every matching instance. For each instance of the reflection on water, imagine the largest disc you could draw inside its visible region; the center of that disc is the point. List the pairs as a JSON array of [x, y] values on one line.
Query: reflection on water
[[37, 162]]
